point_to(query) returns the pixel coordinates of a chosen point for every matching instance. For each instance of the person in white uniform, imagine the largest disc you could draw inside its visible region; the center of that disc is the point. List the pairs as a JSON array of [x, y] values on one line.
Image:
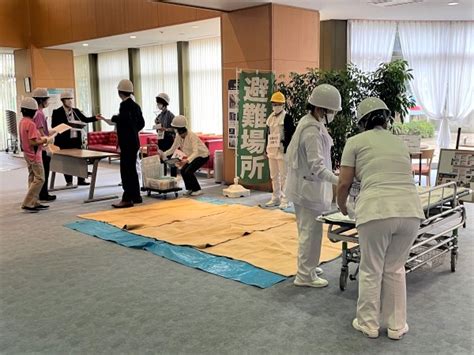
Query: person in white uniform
[[310, 180], [388, 213], [280, 129], [194, 154]]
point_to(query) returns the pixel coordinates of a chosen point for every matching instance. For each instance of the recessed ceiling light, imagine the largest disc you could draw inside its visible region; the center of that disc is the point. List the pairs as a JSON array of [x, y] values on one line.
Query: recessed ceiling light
[[195, 26], [85, 44], [133, 37], [453, 3], [181, 34]]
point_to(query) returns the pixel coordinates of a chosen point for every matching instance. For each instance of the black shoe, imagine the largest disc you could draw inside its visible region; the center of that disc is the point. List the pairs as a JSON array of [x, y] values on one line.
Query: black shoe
[[48, 198], [138, 200], [41, 207], [30, 209], [83, 183], [123, 204]]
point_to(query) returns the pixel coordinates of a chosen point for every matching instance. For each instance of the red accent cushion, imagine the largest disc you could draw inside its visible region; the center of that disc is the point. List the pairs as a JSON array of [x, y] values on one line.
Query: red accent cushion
[[103, 148], [424, 168]]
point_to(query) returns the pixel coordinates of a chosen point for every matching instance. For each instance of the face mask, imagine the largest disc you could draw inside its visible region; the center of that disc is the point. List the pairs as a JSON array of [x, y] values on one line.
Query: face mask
[[277, 109], [330, 117], [160, 107]]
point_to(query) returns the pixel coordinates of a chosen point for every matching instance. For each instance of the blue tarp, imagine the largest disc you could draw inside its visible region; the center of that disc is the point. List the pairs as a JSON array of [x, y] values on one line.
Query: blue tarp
[[218, 265]]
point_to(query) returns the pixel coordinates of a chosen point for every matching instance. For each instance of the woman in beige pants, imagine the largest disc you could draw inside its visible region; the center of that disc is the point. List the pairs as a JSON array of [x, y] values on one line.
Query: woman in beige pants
[[388, 213]]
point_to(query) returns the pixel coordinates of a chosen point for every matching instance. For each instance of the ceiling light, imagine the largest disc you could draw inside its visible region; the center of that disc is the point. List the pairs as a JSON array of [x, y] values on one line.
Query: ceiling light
[[85, 44], [133, 37], [181, 33], [195, 26], [453, 3]]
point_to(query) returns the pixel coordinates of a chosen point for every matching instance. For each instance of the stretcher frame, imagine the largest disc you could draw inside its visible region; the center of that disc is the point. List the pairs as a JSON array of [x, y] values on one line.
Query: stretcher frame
[[437, 236]]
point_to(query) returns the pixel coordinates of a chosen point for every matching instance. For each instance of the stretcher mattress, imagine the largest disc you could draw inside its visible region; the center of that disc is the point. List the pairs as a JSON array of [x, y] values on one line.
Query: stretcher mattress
[[428, 200]]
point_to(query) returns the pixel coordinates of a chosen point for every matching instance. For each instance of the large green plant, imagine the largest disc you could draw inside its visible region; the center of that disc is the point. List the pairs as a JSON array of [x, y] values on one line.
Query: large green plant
[[354, 85]]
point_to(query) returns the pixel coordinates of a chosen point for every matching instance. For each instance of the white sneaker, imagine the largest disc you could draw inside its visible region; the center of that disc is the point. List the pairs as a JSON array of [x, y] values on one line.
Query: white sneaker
[[397, 334], [272, 203], [364, 330], [196, 193], [318, 271], [316, 282], [284, 205]]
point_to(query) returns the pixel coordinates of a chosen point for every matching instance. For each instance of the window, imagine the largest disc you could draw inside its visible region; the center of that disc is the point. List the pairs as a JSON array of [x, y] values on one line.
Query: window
[[7, 93], [159, 73], [205, 81], [83, 85], [112, 67]]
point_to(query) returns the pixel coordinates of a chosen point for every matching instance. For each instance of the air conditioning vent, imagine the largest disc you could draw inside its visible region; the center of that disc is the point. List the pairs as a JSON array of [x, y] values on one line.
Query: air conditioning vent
[[389, 3]]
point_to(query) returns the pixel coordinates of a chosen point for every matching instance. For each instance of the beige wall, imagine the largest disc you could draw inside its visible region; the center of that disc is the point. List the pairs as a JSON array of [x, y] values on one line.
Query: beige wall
[[270, 37]]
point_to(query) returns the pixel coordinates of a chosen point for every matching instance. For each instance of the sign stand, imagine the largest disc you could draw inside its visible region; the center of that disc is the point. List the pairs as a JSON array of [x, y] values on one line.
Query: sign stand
[[236, 190]]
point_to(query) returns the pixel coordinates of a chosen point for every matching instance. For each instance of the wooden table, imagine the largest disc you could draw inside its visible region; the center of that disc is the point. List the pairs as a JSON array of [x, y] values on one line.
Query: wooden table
[[75, 162], [419, 155]]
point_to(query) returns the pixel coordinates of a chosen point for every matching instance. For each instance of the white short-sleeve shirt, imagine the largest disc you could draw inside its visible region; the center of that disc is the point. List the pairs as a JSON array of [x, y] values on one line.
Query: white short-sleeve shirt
[[383, 166]]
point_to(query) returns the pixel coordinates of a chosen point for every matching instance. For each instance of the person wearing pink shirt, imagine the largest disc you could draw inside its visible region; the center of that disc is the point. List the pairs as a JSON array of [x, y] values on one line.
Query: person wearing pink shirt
[[42, 98], [31, 143]]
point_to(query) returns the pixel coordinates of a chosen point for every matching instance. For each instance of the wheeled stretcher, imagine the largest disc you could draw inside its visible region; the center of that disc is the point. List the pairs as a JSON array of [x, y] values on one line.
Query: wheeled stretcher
[[437, 235]]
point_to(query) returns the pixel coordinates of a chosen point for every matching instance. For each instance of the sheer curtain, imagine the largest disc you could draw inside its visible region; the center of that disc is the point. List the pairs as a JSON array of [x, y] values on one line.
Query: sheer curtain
[[371, 43], [112, 67], [205, 80], [441, 56], [159, 73], [7, 93], [83, 84]]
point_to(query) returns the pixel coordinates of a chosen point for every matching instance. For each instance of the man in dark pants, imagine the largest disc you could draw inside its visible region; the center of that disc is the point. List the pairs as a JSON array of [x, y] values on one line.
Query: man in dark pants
[[129, 122], [163, 127], [71, 139], [42, 97]]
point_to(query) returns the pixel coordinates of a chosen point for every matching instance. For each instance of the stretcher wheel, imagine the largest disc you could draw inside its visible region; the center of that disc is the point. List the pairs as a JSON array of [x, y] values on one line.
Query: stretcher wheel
[[148, 193], [343, 278], [176, 194], [454, 260]]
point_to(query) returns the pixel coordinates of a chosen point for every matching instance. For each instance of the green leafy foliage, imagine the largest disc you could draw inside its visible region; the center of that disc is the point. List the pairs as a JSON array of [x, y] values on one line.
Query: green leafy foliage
[[389, 82], [424, 129]]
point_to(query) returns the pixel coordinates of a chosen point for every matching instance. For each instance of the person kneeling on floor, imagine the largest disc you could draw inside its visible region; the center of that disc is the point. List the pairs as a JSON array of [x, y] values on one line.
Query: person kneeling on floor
[[195, 156]]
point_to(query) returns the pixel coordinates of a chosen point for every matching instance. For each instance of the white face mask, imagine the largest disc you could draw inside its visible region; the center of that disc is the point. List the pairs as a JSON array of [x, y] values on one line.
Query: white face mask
[[277, 109], [330, 117], [160, 107]]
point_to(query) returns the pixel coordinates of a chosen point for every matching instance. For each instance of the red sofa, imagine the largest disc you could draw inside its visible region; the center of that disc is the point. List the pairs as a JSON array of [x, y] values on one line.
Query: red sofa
[[212, 143], [102, 141]]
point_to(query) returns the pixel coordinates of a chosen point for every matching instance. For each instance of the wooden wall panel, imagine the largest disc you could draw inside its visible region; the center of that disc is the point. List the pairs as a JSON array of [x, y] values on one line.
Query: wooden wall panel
[[333, 44], [38, 22], [140, 15], [110, 17], [59, 21], [14, 23], [22, 70], [173, 14], [83, 20], [52, 68]]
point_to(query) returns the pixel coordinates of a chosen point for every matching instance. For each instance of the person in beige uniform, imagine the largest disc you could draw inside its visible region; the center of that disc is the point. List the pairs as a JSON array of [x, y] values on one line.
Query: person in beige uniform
[[195, 152], [387, 212]]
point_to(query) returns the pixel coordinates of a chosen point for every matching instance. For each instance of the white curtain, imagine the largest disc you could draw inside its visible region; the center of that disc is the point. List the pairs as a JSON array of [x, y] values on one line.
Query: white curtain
[[441, 56], [83, 84], [205, 78], [159, 73], [7, 93], [460, 102], [371, 43], [112, 67]]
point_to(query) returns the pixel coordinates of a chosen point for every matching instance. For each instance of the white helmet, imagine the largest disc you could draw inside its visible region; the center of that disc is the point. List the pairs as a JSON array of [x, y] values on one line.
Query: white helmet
[[29, 103], [125, 85], [40, 93], [164, 97], [67, 95], [370, 104], [179, 122], [326, 96]]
